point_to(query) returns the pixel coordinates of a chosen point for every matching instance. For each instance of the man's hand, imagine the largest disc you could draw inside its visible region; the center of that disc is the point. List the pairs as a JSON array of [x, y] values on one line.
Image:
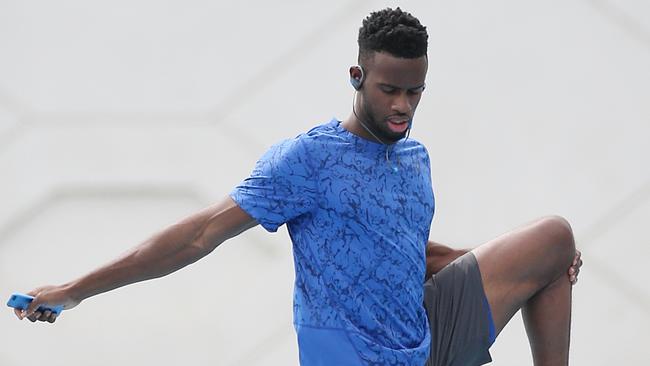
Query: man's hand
[[47, 295], [575, 268], [438, 256]]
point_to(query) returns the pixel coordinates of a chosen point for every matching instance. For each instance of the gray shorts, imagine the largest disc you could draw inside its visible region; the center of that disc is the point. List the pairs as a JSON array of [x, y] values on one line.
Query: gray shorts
[[462, 329]]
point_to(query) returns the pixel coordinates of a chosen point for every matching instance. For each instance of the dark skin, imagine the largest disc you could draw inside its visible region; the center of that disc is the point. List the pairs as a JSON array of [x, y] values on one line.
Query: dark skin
[[513, 275], [392, 89], [165, 252], [438, 256]]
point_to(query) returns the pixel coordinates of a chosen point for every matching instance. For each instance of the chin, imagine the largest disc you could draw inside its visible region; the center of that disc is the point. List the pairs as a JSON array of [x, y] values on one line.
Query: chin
[[391, 136], [395, 137]]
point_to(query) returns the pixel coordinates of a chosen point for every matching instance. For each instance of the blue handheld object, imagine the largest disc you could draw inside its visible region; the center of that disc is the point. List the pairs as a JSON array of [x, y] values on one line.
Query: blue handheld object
[[22, 301]]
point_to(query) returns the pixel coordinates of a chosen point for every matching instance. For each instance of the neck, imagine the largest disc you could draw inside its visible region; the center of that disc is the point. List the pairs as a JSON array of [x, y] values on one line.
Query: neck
[[356, 125], [353, 125]]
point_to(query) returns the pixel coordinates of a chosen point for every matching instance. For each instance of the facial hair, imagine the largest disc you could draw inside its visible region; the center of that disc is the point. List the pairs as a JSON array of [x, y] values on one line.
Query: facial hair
[[378, 125]]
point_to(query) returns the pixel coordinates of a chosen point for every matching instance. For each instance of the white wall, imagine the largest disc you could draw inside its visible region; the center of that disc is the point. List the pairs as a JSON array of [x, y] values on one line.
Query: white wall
[[118, 118]]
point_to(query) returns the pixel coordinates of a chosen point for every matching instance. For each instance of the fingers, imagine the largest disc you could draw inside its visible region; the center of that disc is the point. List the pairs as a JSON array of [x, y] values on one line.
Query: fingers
[[577, 261], [34, 311], [36, 303], [574, 270], [34, 316], [52, 318], [31, 311], [47, 316], [43, 316]]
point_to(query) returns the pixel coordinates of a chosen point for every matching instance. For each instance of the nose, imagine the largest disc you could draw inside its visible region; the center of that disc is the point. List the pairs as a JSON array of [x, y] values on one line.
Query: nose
[[402, 104]]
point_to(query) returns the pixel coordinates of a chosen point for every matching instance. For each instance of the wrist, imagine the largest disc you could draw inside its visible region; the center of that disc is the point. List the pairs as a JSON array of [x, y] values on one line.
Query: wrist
[[73, 290]]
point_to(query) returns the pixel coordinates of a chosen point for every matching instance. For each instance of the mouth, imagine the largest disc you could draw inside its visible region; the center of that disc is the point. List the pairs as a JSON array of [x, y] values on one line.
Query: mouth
[[398, 124]]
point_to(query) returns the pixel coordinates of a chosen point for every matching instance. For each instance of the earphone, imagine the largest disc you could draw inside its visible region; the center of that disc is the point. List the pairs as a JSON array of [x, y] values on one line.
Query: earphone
[[357, 82]]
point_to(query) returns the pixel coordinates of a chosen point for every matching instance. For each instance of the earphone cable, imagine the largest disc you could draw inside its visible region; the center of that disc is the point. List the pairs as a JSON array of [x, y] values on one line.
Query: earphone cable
[[363, 124]]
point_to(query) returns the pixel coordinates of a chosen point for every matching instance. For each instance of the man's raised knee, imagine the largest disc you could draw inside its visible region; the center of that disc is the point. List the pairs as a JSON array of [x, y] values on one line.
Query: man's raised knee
[[559, 231]]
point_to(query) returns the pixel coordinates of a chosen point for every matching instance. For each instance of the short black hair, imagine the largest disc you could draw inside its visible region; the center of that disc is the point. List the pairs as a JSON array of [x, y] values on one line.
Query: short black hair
[[393, 31]]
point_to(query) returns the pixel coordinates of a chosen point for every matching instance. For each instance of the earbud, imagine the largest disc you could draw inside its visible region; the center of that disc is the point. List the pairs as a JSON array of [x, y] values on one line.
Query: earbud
[[357, 82]]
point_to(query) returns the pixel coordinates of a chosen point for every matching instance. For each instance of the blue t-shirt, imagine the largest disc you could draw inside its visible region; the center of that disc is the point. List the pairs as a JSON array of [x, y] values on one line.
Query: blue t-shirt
[[359, 224]]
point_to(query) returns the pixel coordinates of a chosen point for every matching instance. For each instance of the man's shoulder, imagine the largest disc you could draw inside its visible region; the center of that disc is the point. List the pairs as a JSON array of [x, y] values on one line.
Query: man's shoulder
[[318, 138], [312, 143], [323, 132]]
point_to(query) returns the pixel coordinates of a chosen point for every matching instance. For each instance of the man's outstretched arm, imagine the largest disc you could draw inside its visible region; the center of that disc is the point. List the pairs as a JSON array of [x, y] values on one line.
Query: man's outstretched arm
[[165, 252]]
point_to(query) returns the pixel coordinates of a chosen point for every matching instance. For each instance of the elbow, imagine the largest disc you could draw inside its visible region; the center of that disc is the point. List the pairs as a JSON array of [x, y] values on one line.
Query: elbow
[[202, 245], [207, 239]]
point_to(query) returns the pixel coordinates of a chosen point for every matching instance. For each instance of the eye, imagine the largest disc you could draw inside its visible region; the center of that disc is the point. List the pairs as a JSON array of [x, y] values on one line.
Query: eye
[[387, 89], [416, 91]]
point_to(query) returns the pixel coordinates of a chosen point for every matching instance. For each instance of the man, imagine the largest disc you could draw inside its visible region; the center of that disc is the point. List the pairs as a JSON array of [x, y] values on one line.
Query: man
[[356, 197]]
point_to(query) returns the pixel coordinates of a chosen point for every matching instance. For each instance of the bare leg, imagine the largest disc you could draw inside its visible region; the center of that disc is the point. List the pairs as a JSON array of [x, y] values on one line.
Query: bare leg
[[548, 334], [526, 269]]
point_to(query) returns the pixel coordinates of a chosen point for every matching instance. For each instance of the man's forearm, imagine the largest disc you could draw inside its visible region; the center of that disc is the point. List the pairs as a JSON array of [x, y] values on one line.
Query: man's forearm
[[438, 256], [167, 251], [164, 253]]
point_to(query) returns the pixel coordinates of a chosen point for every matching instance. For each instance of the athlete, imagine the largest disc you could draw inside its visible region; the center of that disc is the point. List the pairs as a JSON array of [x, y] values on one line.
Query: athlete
[[356, 197]]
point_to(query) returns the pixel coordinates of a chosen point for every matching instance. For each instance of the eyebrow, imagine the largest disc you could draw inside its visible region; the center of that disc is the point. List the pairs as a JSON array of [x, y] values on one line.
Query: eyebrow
[[397, 87]]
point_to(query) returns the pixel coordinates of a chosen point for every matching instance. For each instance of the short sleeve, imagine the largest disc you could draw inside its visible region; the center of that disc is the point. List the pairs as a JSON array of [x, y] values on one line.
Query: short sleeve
[[281, 187]]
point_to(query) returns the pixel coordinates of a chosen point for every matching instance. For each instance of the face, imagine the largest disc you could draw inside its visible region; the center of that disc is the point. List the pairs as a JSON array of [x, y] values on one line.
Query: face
[[390, 94]]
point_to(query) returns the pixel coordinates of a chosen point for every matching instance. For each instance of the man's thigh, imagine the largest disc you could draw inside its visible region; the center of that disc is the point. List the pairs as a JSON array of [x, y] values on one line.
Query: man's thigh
[[459, 317], [517, 264]]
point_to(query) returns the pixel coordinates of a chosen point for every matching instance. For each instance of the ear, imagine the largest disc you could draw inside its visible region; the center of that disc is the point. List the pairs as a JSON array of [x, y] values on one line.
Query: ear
[[356, 76], [356, 72]]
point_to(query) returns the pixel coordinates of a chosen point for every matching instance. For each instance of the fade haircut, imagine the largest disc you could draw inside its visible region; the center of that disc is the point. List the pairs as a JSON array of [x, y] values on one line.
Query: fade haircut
[[393, 31]]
